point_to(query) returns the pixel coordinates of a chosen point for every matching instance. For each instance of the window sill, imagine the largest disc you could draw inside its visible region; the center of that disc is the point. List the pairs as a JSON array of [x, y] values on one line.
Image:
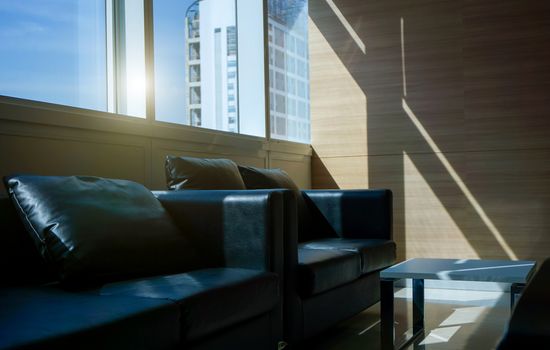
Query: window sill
[[28, 111]]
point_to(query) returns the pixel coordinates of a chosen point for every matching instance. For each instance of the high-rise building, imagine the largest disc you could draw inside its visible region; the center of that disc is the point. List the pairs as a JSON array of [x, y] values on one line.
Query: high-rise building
[[193, 65], [211, 62]]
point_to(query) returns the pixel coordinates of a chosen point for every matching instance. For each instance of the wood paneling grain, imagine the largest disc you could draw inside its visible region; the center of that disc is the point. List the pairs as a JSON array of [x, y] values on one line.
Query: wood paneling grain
[[469, 159], [341, 106], [64, 142], [339, 172]]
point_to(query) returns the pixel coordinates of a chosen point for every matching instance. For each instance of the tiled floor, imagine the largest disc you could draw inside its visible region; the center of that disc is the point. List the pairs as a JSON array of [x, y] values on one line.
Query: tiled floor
[[454, 319]]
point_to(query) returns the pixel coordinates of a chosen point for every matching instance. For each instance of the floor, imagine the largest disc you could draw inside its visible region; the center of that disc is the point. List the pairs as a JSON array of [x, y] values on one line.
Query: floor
[[454, 319]]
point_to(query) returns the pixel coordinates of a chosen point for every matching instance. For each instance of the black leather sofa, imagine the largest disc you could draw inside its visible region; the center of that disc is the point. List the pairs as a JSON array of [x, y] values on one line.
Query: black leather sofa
[[335, 241], [529, 324], [334, 250], [232, 302]]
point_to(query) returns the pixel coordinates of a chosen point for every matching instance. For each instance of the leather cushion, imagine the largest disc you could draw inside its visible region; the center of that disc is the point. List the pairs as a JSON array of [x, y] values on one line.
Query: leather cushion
[[51, 318], [95, 230], [260, 178], [375, 254], [202, 174], [320, 270], [210, 299]]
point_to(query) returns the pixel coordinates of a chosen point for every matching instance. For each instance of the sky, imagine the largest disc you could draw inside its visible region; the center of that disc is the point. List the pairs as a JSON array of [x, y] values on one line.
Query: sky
[[55, 51]]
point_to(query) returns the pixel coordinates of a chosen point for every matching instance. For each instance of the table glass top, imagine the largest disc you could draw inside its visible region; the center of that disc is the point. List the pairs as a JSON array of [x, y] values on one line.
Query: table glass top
[[506, 271]]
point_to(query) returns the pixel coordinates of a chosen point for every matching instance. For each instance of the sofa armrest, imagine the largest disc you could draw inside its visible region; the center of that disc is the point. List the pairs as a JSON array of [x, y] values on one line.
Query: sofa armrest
[[231, 228], [352, 213]]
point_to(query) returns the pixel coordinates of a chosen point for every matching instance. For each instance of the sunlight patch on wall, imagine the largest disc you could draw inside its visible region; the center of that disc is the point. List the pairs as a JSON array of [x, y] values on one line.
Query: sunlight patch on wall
[[430, 229], [338, 104], [338, 116], [454, 175], [348, 26]]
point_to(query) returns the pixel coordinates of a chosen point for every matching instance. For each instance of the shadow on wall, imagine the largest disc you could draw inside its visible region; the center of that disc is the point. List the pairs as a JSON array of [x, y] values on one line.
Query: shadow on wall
[[455, 119], [323, 178]]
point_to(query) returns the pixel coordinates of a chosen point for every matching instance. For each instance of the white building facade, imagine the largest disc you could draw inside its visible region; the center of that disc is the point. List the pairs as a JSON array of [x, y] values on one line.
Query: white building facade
[[212, 67]]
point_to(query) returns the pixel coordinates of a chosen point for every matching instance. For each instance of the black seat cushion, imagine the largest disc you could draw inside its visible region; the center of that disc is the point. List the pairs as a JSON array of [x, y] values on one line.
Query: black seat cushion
[[259, 178], [192, 173], [50, 318], [320, 270], [375, 254], [94, 229], [210, 299]]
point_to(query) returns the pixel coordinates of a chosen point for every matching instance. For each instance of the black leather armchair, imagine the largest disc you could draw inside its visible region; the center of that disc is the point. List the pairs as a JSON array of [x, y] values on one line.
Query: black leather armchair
[[232, 301], [335, 246]]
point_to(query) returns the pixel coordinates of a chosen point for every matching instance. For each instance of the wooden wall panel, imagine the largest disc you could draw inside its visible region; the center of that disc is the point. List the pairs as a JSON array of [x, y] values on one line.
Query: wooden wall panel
[[340, 107], [339, 172], [457, 119], [66, 142], [39, 149]]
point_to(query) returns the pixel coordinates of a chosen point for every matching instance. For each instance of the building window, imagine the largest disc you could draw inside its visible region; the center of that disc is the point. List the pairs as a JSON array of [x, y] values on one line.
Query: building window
[[289, 60], [231, 41]]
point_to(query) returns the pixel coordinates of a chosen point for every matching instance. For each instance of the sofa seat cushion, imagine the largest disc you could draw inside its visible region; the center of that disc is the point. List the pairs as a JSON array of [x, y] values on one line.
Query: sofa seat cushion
[[375, 254], [50, 318], [322, 269], [209, 299]]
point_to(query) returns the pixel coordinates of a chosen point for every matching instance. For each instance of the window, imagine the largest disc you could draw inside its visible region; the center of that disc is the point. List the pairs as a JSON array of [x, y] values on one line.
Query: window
[[289, 59], [280, 81], [280, 103], [92, 54], [291, 87], [279, 37], [279, 59], [291, 106], [232, 41], [301, 69], [129, 56], [198, 64], [301, 89], [290, 64], [87, 54]]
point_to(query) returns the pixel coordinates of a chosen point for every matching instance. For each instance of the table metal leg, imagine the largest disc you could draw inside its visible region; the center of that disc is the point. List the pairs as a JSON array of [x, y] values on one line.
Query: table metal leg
[[386, 314], [418, 306]]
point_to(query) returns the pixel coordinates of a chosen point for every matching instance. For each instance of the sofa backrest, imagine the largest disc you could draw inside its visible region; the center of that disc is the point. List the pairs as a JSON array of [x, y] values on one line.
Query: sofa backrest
[[350, 213], [20, 261]]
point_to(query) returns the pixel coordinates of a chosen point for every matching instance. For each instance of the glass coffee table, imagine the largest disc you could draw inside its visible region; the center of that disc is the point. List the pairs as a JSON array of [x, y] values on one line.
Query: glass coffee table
[[517, 273]]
